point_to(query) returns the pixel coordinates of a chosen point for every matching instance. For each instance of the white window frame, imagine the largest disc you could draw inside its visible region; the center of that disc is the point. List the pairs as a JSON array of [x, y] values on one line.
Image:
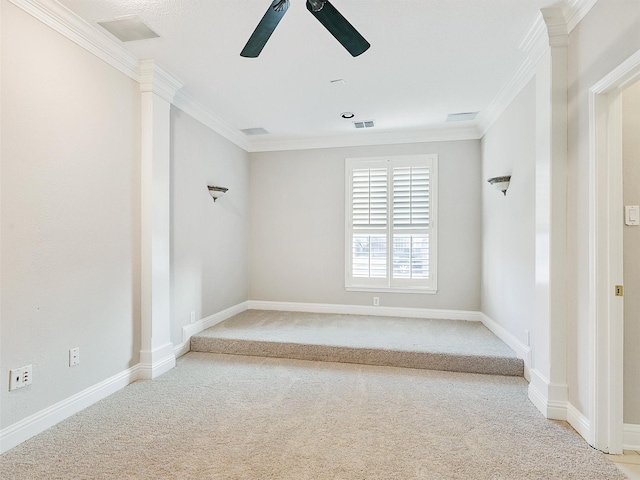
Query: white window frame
[[389, 284]]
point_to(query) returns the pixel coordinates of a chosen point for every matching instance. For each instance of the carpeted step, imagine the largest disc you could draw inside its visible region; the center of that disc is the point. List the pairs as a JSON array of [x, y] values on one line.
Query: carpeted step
[[447, 345]]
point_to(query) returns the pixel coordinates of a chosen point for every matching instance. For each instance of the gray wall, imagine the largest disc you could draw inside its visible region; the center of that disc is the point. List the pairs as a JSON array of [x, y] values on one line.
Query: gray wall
[[208, 240], [297, 225], [70, 221], [508, 222], [631, 158], [607, 36]]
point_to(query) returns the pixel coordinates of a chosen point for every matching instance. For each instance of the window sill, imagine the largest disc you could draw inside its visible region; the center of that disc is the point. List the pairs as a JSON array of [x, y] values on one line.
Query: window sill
[[424, 291]]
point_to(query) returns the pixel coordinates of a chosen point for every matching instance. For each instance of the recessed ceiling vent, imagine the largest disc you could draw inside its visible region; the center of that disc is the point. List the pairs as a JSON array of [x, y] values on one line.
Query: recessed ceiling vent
[[128, 29], [462, 117], [365, 124], [254, 131]]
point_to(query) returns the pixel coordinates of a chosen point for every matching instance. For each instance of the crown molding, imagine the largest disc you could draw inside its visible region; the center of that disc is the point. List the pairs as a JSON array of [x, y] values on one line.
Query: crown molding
[[150, 75], [505, 97], [575, 11], [543, 33], [155, 79], [205, 116], [436, 134], [87, 36], [68, 24], [556, 22]]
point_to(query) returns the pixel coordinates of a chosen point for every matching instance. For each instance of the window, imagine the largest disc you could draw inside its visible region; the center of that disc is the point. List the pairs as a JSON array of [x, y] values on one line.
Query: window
[[391, 224]]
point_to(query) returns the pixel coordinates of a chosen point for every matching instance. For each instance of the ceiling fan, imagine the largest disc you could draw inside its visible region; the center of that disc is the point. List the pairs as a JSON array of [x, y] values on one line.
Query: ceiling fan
[[326, 13]]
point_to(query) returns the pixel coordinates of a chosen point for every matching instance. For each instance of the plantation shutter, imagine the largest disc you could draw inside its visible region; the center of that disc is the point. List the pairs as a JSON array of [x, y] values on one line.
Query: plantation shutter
[[411, 222], [410, 197], [369, 222], [390, 224], [369, 198]]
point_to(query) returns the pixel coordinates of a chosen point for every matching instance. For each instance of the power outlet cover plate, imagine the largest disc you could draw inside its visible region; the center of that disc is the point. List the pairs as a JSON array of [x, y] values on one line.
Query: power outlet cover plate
[[20, 377], [74, 356]]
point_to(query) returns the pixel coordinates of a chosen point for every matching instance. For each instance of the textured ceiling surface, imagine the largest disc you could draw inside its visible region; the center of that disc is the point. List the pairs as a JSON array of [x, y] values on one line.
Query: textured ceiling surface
[[428, 59]]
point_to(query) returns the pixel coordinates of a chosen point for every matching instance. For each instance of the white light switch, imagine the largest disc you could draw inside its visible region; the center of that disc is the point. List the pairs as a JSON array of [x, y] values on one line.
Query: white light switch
[[632, 215]]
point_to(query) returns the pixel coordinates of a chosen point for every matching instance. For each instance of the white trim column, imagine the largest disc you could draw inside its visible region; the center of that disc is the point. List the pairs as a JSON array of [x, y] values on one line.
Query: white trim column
[[157, 89], [548, 388]]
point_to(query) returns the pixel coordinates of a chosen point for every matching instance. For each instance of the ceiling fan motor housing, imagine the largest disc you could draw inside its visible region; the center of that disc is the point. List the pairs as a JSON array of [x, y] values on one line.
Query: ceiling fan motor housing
[[316, 5]]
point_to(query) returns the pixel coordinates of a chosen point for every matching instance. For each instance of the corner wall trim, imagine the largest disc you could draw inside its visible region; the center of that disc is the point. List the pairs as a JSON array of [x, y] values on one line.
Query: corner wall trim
[[34, 424], [203, 324]]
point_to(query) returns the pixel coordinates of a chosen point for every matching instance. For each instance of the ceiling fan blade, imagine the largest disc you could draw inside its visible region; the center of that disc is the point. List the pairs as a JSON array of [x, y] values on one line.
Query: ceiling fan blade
[[338, 26], [265, 28]]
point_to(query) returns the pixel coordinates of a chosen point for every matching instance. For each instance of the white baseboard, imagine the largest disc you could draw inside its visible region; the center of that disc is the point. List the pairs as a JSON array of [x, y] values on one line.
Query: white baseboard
[[34, 424], [366, 310], [150, 371], [521, 350], [631, 437], [154, 363], [550, 399], [579, 422], [203, 324]]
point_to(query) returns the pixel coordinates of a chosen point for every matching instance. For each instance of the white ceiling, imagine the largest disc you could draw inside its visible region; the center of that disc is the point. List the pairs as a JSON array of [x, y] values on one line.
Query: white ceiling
[[428, 58]]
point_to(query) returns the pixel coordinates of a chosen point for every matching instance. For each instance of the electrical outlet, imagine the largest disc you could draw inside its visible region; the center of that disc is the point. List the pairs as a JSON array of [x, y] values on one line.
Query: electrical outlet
[[376, 301], [20, 377], [193, 317], [74, 356]]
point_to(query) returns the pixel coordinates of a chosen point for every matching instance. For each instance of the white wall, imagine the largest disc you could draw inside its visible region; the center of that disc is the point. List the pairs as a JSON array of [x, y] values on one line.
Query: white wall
[[209, 271], [297, 210], [70, 216], [631, 158], [508, 222], [604, 38]]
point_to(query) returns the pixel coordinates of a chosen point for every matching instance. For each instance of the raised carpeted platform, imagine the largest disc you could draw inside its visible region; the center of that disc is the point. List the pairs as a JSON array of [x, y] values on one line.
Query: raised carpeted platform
[[446, 345]]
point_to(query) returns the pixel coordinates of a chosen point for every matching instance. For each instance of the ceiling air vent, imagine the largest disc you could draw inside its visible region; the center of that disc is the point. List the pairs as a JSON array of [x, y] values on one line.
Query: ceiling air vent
[[462, 117], [128, 29], [365, 124], [254, 131]]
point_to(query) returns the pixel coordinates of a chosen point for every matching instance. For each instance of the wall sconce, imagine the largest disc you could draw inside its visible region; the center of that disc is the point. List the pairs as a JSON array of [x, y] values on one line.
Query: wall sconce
[[216, 192], [500, 183]]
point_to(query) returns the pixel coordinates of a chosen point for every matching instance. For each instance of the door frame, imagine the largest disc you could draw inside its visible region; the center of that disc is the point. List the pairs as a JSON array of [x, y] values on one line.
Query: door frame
[[606, 311]]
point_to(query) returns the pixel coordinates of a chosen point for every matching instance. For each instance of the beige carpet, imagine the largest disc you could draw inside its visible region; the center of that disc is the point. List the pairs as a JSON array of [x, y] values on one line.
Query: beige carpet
[[232, 417], [449, 345]]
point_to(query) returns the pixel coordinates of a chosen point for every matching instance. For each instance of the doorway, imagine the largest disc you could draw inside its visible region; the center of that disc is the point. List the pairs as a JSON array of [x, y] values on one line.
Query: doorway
[[606, 265]]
